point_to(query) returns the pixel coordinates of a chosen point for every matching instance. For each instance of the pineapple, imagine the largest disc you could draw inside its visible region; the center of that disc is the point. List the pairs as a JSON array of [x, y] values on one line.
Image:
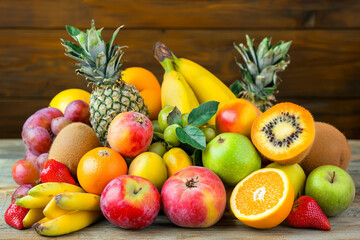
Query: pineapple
[[100, 65], [259, 73]]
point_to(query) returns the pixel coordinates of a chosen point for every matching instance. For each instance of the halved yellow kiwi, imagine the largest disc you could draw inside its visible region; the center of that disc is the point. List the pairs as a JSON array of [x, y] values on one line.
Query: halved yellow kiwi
[[284, 133]]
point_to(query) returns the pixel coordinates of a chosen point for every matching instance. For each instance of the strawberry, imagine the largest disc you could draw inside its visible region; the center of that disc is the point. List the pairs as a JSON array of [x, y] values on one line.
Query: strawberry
[[14, 215], [54, 171], [306, 213]]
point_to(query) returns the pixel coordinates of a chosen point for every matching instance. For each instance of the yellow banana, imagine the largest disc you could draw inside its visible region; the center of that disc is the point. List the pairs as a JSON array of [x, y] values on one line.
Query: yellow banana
[[33, 202], [68, 223], [52, 211], [43, 220], [206, 86], [33, 216], [53, 188], [175, 91], [78, 201]]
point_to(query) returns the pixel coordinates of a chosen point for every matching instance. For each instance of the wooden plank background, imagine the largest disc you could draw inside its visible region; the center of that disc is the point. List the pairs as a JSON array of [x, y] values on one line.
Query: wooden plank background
[[323, 75]]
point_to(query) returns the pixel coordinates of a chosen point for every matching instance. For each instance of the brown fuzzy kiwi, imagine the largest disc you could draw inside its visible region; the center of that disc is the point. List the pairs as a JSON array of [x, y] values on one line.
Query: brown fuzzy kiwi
[[72, 143], [330, 147], [284, 133]]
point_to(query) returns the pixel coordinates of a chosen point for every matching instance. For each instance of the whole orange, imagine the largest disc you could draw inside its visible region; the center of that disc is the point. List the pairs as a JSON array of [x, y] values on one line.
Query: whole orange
[[98, 167], [148, 86]]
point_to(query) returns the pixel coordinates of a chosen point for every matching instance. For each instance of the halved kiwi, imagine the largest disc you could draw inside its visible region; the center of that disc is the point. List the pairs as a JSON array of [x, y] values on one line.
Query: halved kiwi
[[284, 133]]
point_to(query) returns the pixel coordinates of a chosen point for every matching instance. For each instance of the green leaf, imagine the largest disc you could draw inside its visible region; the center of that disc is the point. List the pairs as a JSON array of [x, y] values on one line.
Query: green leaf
[[174, 117], [192, 136], [203, 113], [236, 88]]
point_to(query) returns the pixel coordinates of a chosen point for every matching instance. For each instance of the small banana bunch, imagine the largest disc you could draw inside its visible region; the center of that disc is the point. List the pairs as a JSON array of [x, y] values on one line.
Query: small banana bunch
[[186, 84], [59, 208]]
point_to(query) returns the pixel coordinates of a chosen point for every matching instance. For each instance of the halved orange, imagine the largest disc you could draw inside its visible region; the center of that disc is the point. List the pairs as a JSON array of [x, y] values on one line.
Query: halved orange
[[263, 199]]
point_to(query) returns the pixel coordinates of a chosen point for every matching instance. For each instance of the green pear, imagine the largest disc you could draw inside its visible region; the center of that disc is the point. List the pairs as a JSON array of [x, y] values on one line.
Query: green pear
[[296, 175]]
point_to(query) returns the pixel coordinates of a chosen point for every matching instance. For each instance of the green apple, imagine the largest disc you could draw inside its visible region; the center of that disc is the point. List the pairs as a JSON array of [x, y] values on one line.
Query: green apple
[[296, 174], [232, 157], [332, 188]]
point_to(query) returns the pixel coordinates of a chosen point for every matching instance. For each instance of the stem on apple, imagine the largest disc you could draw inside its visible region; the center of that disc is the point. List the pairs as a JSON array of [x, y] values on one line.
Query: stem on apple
[[332, 177], [136, 191]]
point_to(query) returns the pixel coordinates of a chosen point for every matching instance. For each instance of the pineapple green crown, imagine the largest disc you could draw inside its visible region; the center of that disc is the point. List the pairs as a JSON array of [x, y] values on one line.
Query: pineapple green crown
[[259, 73], [99, 62]]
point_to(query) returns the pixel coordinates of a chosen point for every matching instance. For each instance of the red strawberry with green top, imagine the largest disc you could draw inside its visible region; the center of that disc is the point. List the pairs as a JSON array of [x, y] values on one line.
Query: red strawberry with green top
[[54, 171], [14, 215], [306, 213]]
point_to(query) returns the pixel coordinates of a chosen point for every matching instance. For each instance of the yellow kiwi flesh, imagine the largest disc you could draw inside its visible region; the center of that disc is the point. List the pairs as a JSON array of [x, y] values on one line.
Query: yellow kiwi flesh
[[72, 143], [330, 147]]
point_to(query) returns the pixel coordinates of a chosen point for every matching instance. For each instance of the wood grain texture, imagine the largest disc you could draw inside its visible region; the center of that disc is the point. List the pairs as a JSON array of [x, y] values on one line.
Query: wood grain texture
[[344, 226], [243, 14], [323, 63]]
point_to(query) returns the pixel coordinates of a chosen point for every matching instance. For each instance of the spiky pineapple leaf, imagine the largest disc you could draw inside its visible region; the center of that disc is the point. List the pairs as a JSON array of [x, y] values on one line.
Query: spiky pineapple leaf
[[95, 44], [251, 49], [236, 87], [110, 43], [70, 46]]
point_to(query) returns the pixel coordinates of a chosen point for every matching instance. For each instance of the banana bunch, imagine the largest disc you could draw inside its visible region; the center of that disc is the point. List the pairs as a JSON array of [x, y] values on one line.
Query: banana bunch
[[175, 91], [199, 82], [59, 208]]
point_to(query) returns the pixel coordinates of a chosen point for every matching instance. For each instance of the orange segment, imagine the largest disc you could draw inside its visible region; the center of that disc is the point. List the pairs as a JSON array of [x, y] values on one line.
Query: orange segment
[[263, 199]]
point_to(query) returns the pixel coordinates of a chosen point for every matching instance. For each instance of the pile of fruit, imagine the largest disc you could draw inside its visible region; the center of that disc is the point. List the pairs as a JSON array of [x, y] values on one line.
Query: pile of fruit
[[112, 152]]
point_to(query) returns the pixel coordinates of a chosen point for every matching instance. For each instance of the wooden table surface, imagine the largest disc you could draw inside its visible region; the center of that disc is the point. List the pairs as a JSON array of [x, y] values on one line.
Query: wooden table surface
[[344, 226]]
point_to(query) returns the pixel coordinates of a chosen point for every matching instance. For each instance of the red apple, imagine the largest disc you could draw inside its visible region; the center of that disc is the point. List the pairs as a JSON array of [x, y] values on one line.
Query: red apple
[[130, 133], [236, 116], [194, 197], [130, 202]]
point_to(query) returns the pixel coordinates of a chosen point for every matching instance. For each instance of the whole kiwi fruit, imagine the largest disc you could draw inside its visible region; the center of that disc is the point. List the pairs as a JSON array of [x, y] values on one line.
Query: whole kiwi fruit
[[72, 143], [330, 147]]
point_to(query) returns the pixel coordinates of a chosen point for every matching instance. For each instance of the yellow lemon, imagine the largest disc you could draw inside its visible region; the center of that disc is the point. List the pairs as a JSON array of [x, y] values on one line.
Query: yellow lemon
[[175, 160], [63, 98], [151, 166]]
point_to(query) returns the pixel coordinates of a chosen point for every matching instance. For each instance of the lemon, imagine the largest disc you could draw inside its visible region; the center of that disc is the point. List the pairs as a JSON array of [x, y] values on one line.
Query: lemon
[[175, 160], [63, 98]]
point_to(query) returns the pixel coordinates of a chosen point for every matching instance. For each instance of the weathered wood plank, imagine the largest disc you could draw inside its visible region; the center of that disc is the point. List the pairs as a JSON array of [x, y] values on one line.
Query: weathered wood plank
[[243, 14], [344, 226], [323, 63]]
